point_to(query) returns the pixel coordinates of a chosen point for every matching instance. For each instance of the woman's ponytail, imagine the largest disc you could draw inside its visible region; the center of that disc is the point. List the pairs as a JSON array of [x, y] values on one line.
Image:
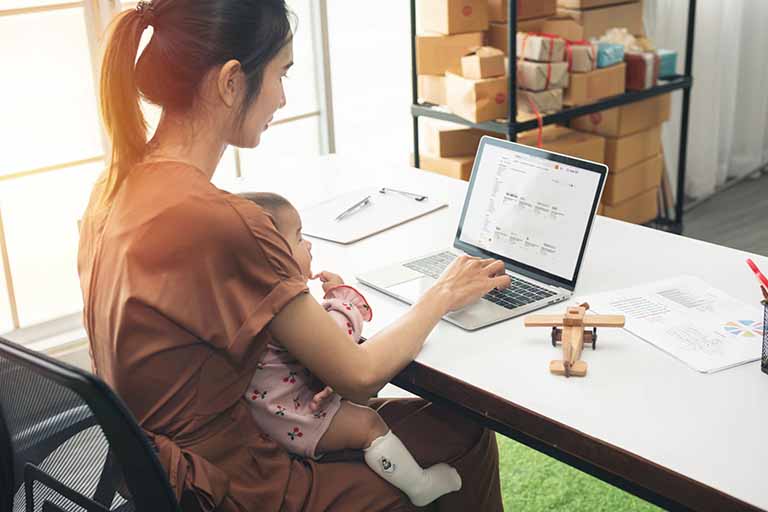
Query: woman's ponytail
[[120, 100]]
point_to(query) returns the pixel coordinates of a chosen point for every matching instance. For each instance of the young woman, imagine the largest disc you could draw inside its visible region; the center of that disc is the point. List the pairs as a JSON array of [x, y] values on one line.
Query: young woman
[[184, 285]]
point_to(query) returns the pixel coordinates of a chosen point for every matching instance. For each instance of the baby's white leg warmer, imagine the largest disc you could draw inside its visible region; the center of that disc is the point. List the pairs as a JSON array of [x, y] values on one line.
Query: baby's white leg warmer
[[390, 459]]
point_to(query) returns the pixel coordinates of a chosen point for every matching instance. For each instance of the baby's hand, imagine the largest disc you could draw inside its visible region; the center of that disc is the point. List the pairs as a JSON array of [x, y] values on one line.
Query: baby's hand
[[329, 279]]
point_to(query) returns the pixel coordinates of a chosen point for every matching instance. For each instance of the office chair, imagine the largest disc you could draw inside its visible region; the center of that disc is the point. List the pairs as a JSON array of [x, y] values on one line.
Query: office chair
[[69, 444]]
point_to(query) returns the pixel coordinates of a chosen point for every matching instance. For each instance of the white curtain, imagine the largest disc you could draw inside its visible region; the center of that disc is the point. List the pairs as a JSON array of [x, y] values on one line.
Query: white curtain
[[728, 128]]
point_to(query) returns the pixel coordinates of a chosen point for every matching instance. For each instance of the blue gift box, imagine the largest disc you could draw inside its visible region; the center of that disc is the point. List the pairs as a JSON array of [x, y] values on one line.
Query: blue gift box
[[667, 63], [609, 54]]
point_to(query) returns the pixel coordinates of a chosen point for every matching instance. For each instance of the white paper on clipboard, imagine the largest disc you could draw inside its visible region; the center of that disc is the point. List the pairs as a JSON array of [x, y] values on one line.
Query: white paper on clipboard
[[385, 211]]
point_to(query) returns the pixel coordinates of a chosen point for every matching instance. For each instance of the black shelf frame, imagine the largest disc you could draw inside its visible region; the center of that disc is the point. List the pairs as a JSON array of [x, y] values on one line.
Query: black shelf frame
[[512, 127]]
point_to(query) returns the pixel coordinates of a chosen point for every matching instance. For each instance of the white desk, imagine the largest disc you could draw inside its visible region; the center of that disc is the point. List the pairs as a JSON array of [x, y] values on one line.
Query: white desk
[[640, 420]]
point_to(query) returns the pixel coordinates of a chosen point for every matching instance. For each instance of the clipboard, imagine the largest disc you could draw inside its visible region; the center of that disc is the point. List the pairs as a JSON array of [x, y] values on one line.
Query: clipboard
[[385, 211]]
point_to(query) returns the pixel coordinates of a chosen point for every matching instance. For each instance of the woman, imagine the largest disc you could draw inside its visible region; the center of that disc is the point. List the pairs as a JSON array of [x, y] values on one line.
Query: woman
[[185, 284]]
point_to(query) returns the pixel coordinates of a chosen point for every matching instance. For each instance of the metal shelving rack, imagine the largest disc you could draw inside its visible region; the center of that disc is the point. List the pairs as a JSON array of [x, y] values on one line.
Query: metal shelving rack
[[512, 127]]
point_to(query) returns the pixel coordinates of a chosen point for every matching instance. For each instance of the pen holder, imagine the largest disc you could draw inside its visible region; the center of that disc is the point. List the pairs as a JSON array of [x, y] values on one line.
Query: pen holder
[[764, 358]]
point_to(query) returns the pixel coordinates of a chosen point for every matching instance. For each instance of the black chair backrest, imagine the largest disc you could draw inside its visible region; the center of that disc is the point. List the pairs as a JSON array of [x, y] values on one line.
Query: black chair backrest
[[69, 444]]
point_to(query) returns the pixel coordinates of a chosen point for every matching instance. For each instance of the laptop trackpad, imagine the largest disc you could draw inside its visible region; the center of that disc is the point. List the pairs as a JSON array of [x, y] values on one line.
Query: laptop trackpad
[[412, 290]]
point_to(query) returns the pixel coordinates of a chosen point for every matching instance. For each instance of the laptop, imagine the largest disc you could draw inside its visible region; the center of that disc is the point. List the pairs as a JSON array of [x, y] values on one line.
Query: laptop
[[533, 209]]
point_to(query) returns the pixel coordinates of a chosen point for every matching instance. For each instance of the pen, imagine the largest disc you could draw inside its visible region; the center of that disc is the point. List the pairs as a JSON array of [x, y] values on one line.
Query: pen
[[417, 197], [354, 208], [760, 277]]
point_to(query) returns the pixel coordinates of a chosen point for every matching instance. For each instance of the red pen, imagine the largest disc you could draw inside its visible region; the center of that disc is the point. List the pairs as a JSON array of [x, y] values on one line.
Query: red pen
[[760, 277]]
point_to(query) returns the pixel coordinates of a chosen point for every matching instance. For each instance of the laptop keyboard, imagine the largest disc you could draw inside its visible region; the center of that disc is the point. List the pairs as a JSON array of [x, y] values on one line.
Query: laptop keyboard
[[518, 294]]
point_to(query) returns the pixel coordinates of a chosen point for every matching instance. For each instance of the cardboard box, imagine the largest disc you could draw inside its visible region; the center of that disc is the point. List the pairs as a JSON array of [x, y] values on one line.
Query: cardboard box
[[437, 54], [540, 48], [537, 76], [477, 100], [453, 16], [568, 142], [595, 22], [547, 101], [431, 88], [526, 9], [587, 4], [498, 32], [485, 62], [624, 152], [627, 119], [639, 209], [634, 180], [456, 167], [581, 56], [600, 83], [452, 140], [642, 70]]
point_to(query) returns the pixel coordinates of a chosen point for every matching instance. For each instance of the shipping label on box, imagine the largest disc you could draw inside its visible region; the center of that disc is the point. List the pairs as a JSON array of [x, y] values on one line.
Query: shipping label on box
[[639, 209], [477, 100], [431, 88], [627, 119], [453, 16], [581, 56], [452, 140], [600, 83], [454, 167], [437, 54], [609, 54], [624, 152], [634, 180], [568, 142], [485, 62], [542, 48], [547, 101], [596, 22], [642, 70], [537, 76]]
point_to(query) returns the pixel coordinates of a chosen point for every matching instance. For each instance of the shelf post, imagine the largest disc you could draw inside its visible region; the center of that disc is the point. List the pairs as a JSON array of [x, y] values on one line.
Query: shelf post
[[512, 70], [414, 87], [681, 163]]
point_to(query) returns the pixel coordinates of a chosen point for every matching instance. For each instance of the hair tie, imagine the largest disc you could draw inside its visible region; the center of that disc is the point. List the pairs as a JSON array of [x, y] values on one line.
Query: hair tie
[[145, 7]]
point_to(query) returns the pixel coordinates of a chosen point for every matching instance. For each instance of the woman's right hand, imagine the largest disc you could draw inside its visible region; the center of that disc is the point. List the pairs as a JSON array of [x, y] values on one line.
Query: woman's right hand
[[468, 278]]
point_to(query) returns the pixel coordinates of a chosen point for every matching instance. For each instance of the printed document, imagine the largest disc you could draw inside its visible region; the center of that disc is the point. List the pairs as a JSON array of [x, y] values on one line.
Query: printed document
[[690, 320]]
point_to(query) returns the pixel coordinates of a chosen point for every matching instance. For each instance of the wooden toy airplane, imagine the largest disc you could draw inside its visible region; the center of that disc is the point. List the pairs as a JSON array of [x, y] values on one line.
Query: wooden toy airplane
[[569, 330]]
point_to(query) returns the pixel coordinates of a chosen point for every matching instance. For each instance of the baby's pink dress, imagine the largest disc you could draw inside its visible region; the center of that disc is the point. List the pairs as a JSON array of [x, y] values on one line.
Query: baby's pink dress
[[281, 389]]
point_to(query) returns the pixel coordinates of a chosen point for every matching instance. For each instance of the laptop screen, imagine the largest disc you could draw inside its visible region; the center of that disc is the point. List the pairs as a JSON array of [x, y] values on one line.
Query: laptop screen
[[531, 206]]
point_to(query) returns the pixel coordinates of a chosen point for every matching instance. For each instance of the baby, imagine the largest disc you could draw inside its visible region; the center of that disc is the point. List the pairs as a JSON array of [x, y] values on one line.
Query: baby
[[281, 392]]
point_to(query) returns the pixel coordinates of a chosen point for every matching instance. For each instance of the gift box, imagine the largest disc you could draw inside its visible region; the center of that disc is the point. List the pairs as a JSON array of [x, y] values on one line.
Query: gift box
[[540, 47], [596, 22], [477, 100], [639, 209], [549, 100], [667, 63], [526, 9], [537, 76], [453, 167], [431, 88], [453, 16], [642, 70], [627, 183], [624, 152], [581, 56], [484, 62], [627, 119], [436, 54], [568, 142], [600, 83], [452, 140], [609, 54], [498, 33]]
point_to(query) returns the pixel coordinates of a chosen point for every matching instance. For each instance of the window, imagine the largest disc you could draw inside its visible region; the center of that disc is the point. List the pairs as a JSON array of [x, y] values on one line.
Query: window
[[53, 145]]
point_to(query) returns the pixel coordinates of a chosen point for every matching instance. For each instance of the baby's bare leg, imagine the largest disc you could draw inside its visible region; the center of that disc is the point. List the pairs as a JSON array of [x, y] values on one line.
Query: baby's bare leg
[[353, 427]]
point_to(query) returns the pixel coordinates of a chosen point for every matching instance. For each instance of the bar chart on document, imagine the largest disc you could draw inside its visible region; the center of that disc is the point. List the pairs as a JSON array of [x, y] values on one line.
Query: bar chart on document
[[532, 210]]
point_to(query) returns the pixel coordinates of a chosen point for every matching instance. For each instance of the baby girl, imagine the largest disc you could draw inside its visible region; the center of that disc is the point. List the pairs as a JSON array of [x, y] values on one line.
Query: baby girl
[[283, 394]]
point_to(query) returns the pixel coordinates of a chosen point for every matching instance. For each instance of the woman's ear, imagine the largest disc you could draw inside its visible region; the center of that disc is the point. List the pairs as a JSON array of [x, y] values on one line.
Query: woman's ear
[[229, 82]]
